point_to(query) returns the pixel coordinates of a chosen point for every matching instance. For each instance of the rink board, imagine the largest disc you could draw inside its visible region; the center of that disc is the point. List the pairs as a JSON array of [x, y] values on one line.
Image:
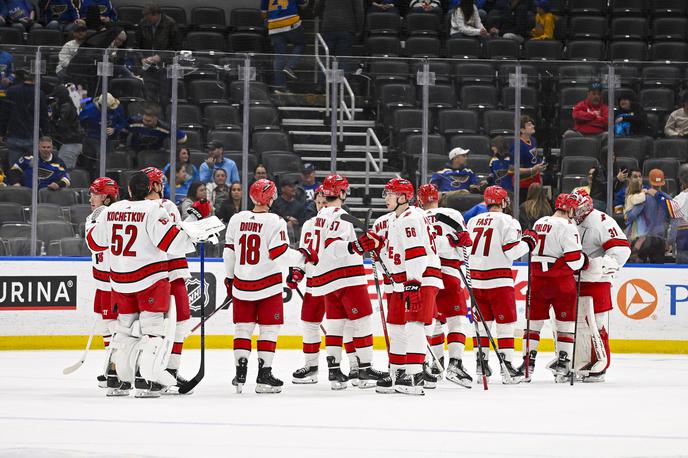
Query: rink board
[[47, 303]]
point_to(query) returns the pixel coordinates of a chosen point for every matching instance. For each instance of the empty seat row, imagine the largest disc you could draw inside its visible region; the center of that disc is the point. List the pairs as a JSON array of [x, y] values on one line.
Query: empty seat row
[[202, 18]]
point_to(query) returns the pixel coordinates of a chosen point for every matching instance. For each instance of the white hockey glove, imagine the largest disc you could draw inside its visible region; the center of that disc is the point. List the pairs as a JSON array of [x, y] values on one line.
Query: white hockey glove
[[609, 265], [205, 230]]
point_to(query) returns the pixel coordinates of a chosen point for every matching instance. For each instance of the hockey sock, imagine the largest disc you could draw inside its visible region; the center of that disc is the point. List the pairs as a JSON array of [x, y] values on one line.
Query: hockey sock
[[565, 337], [415, 347], [397, 347], [484, 340], [533, 335], [456, 336], [103, 329], [267, 342], [363, 339], [505, 340], [311, 342], [334, 339], [435, 336], [349, 346], [180, 333], [242, 340], [601, 320]]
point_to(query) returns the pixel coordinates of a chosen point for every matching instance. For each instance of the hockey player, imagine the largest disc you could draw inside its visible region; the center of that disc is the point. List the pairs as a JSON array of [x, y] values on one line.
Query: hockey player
[[451, 298], [340, 278], [104, 191], [256, 252], [139, 234], [178, 270], [607, 249], [497, 242], [556, 257], [417, 277]]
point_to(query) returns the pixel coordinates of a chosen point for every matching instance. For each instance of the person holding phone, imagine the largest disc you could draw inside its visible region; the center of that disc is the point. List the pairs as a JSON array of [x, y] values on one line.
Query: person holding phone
[[532, 162]]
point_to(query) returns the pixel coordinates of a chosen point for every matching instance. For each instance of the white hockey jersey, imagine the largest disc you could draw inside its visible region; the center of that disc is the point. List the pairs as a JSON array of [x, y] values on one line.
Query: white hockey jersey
[[256, 252], [177, 266], [309, 242], [337, 268], [380, 227], [100, 261], [451, 258], [411, 247], [138, 234], [558, 250], [602, 236], [496, 244]]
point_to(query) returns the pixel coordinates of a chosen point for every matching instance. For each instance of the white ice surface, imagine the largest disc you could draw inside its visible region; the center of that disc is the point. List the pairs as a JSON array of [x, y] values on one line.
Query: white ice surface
[[639, 411]]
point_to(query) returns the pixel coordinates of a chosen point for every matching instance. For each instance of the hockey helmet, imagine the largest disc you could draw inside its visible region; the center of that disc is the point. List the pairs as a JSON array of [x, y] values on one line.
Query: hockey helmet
[[428, 193], [496, 195], [105, 186], [399, 186], [585, 205], [565, 202], [263, 191], [154, 174], [334, 184]]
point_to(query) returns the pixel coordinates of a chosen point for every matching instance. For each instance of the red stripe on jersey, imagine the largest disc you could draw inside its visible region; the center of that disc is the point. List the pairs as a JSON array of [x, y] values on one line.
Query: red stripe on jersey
[[456, 337], [311, 347], [92, 245], [267, 345], [399, 360], [336, 274], [333, 341], [230, 246], [176, 264], [363, 342], [332, 240], [140, 274], [415, 252], [491, 274], [242, 344], [257, 285], [100, 275], [614, 243], [505, 343], [278, 251], [415, 358], [509, 246], [167, 240], [432, 272], [455, 263], [572, 256], [177, 348]]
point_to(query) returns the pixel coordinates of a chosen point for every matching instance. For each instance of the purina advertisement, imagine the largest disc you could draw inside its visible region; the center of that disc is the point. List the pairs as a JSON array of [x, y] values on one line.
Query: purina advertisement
[[54, 297]]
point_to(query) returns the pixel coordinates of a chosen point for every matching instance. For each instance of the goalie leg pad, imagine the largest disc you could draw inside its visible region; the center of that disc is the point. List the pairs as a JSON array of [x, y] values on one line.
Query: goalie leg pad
[[125, 345], [157, 346]]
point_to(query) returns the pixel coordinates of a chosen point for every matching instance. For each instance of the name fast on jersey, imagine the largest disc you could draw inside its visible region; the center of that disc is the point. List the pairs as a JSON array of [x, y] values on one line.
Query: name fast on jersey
[[126, 217], [251, 227]]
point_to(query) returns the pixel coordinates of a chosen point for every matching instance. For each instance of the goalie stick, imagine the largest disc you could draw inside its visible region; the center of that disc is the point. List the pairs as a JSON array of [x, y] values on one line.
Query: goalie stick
[[191, 384], [466, 278], [74, 367], [575, 329]]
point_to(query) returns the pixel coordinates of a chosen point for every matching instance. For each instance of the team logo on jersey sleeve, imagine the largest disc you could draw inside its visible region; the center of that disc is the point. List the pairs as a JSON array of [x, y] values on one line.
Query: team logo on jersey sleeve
[[637, 299]]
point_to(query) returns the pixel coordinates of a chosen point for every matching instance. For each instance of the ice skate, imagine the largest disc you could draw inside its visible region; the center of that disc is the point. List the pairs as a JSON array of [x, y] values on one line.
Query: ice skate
[[436, 370], [456, 373], [429, 380], [368, 376], [336, 376], [240, 377], [410, 384], [514, 375], [594, 377], [116, 387], [174, 389], [266, 382], [531, 366], [124, 390], [353, 376], [102, 381], [561, 367], [386, 384], [146, 388], [479, 368], [306, 375]]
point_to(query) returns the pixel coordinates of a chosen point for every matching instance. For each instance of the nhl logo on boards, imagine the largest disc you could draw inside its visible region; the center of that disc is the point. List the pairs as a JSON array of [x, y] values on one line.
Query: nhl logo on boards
[[193, 286]]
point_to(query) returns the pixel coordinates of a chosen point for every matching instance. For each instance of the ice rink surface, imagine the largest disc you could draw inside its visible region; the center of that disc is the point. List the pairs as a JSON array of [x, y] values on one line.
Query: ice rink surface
[[639, 411]]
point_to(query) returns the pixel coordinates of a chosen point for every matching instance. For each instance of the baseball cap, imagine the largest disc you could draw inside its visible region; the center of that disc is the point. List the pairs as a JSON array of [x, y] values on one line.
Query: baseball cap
[[657, 178], [595, 86], [308, 167], [214, 144], [458, 151]]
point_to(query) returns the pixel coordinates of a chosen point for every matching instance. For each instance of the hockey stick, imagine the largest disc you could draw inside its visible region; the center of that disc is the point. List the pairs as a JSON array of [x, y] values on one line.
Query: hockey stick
[[322, 328], [225, 305], [383, 319], [74, 367], [575, 329], [527, 358], [357, 223], [191, 384], [466, 278]]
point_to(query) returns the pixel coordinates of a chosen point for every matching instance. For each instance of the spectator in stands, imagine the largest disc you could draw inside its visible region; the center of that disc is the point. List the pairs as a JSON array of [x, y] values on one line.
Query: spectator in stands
[[590, 115], [678, 233], [383, 6], [191, 171], [500, 163], [534, 207], [182, 183], [284, 27], [157, 32], [289, 207], [458, 177], [148, 132], [16, 116], [216, 160], [52, 173], [677, 122], [426, 6], [218, 190], [532, 162], [341, 21], [22, 14], [6, 71], [259, 173], [116, 129], [60, 15], [98, 13], [308, 181], [66, 126], [630, 118], [465, 21], [493, 11], [197, 195], [513, 24], [69, 50], [544, 22], [597, 187], [232, 205], [624, 178]]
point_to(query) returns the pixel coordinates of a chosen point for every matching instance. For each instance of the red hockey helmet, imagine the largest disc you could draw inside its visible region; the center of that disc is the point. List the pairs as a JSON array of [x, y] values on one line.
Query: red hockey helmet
[[585, 205], [565, 202], [399, 186], [263, 191], [155, 175], [333, 185], [318, 190], [105, 186], [495, 195], [428, 193]]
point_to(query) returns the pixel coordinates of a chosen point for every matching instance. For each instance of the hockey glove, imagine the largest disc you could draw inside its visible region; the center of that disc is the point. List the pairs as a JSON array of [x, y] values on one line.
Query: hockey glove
[[365, 243], [459, 239], [200, 209], [530, 238], [411, 296], [228, 286], [294, 277], [309, 255], [609, 265], [586, 261]]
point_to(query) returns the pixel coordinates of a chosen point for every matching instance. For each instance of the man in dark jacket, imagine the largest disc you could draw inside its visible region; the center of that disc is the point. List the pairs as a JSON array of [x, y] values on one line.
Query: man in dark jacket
[[342, 20], [65, 119], [16, 117], [157, 32], [630, 118], [514, 21]]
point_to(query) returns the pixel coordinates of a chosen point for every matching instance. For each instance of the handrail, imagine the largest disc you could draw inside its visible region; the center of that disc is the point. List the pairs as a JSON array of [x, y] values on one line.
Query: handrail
[[343, 107], [370, 134], [325, 68]]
